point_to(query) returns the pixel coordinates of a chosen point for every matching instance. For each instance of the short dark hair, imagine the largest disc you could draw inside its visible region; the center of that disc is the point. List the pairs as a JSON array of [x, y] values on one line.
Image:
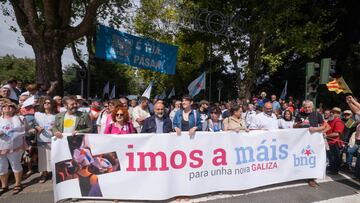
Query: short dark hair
[[216, 109], [235, 108], [66, 98], [142, 98], [187, 97]]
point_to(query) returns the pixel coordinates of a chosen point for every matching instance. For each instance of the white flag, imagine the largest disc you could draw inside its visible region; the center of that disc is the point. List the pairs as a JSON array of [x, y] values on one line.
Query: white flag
[[163, 95], [112, 94], [284, 92], [172, 93], [197, 85], [106, 89], [147, 92]]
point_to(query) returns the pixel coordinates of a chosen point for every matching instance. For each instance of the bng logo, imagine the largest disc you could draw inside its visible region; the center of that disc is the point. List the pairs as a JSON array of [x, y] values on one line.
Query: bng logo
[[307, 157]]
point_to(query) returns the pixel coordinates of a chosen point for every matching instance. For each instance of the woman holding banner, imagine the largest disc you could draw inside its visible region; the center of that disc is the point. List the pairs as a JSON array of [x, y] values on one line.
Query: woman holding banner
[[214, 124], [187, 119], [235, 122]]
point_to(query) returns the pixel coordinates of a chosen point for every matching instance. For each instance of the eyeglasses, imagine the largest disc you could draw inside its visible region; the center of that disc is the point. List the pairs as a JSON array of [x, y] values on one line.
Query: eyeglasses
[[119, 114]]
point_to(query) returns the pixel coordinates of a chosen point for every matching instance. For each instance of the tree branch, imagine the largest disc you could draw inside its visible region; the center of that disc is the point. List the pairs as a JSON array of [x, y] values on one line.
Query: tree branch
[[77, 57], [65, 12], [21, 17], [86, 24], [49, 13], [30, 11]]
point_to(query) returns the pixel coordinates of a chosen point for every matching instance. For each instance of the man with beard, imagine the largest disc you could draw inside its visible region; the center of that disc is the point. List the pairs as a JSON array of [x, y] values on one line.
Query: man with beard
[[327, 114], [72, 121], [157, 123], [334, 140]]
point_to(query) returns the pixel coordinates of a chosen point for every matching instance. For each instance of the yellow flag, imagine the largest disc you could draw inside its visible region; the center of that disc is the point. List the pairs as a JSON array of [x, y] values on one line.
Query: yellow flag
[[338, 85]]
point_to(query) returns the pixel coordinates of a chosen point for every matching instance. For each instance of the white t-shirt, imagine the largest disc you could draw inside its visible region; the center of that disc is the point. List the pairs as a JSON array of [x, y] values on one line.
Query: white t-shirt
[[69, 123], [101, 121], [264, 121], [45, 121], [283, 124], [13, 132], [137, 113]]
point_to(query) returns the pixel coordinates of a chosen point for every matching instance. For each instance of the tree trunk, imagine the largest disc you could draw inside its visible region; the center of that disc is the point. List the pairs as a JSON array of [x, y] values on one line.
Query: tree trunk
[[245, 87], [48, 66]]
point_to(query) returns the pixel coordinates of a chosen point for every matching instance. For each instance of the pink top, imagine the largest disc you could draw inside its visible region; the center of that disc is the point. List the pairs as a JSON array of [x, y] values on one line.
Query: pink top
[[111, 128]]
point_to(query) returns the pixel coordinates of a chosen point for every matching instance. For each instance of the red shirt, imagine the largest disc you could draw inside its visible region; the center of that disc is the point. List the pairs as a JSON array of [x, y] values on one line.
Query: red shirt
[[336, 126]]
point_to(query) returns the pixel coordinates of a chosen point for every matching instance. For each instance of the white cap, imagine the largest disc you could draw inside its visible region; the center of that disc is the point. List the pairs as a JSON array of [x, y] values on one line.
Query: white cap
[[28, 102]]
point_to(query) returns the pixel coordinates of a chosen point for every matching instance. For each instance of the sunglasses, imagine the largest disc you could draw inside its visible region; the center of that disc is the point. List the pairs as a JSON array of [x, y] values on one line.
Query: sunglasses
[[106, 106], [47, 102], [119, 114]]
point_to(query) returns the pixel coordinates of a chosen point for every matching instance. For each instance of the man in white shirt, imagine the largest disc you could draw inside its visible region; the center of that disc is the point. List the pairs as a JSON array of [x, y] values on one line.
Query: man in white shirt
[[140, 113], [265, 120], [250, 115]]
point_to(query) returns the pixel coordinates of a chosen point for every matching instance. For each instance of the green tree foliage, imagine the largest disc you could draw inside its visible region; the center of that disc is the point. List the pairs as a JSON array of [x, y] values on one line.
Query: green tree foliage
[[22, 69], [261, 37]]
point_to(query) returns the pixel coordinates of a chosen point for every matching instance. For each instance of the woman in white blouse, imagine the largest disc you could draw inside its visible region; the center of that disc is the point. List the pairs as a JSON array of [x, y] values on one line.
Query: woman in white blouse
[[287, 120], [44, 119], [12, 134]]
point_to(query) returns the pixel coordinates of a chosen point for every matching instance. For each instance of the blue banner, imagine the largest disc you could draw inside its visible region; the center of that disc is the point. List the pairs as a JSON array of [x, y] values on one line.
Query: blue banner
[[117, 46]]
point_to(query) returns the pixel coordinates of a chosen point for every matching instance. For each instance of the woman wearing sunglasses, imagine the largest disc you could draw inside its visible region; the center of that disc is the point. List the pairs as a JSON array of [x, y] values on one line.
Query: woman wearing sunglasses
[[12, 133], [214, 124], [44, 122], [121, 123]]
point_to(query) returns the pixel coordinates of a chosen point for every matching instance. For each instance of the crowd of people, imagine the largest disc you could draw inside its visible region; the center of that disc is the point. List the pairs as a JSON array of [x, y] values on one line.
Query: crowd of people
[[30, 118]]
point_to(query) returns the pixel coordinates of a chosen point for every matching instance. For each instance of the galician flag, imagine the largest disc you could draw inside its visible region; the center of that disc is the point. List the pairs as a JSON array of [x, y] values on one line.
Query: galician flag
[[147, 92], [284, 92], [197, 85], [338, 85], [112, 94], [163, 95], [106, 89]]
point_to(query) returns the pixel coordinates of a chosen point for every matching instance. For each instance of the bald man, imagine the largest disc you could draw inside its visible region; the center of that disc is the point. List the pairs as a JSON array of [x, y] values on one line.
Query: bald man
[[158, 123], [265, 120]]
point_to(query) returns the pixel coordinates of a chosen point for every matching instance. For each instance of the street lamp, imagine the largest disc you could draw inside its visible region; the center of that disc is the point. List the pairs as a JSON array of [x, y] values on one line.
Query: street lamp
[[219, 86]]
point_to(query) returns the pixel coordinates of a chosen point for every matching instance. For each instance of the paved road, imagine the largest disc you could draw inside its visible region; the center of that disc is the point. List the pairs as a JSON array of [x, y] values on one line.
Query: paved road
[[333, 189]]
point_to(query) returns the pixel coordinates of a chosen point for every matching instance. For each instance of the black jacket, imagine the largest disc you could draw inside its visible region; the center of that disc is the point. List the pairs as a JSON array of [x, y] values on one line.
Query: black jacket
[[150, 125]]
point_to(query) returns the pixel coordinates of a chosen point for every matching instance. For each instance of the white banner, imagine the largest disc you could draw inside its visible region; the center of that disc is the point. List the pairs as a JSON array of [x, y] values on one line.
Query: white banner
[[162, 166]]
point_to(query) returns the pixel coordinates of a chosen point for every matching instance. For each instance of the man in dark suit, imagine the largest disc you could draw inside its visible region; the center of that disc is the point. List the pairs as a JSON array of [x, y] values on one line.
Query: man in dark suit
[[72, 121], [158, 123]]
